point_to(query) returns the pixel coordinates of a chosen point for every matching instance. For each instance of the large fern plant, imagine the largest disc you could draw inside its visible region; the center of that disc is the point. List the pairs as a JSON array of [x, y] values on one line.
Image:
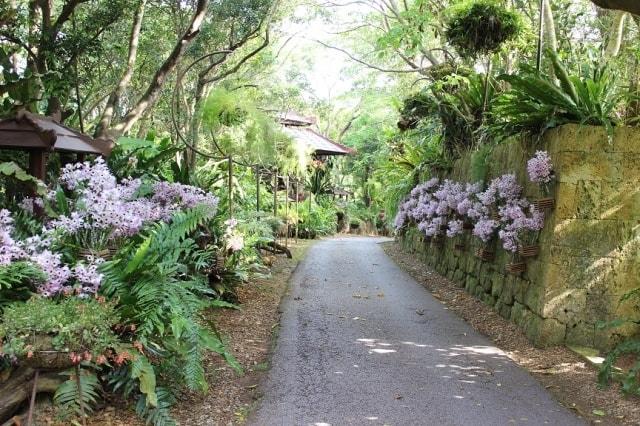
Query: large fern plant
[[161, 289]]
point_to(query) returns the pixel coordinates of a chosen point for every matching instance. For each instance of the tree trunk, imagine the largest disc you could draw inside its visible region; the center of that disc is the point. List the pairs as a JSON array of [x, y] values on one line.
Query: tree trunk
[[155, 87], [549, 27], [134, 39], [615, 35]]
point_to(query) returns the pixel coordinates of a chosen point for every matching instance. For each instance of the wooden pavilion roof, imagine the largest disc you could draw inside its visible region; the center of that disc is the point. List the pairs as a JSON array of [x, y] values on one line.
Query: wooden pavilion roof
[[299, 128], [28, 131]]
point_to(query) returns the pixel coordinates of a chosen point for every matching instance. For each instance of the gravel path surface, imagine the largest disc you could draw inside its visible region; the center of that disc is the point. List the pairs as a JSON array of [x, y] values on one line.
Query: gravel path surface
[[362, 343]]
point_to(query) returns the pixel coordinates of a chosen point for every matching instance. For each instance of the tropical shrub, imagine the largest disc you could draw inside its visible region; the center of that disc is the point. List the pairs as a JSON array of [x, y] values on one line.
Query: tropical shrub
[[113, 276], [535, 102]]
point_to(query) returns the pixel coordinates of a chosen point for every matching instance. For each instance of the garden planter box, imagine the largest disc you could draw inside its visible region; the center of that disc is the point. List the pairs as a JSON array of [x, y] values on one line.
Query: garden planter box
[[529, 251], [516, 267], [485, 255], [543, 204]]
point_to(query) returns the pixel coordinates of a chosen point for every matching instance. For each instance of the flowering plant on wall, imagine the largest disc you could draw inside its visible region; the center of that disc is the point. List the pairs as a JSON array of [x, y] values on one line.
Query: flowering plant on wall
[[540, 171], [444, 208]]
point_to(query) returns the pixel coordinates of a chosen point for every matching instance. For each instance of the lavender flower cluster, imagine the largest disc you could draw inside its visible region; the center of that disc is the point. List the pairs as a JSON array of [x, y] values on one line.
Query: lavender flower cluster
[[540, 168], [99, 205], [442, 208], [103, 204]]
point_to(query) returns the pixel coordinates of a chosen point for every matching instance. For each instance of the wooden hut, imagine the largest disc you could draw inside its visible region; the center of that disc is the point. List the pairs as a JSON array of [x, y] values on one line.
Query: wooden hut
[[39, 135]]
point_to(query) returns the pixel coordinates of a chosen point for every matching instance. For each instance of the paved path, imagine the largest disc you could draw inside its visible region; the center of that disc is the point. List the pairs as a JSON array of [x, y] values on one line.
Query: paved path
[[361, 343]]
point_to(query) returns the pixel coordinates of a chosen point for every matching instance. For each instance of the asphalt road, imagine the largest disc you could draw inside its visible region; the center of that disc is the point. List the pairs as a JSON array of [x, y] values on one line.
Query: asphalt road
[[361, 343]]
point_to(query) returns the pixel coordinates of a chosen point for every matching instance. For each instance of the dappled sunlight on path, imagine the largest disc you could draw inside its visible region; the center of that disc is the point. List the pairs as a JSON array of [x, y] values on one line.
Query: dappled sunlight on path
[[363, 343]]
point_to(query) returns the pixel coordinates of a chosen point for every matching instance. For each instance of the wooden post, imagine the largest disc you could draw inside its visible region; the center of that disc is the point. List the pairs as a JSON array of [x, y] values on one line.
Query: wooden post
[[258, 190], [37, 164], [230, 184], [286, 211], [297, 209], [275, 193], [275, 197]]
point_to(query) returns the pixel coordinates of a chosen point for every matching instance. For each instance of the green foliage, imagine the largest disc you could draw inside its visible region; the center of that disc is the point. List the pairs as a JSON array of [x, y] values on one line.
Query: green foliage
[[536, 102], [241, 129], [69, 325], [481, 27], [12, 170], [152, 156], [317, 219], [480, 163], [630, 382], [459, 104], [18, 281], [78, 395], [160, 289], [412, 157]]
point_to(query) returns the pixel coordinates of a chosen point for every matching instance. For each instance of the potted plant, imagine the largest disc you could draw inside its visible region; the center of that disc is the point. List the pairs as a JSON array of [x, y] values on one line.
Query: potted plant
[[540, 171]]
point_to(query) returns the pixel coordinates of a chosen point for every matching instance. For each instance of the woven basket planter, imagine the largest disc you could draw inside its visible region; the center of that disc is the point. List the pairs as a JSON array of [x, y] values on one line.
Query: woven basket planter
[[105, 254], [437, 242], [485, 255], [543, 204], [529, 251], [516, 267]]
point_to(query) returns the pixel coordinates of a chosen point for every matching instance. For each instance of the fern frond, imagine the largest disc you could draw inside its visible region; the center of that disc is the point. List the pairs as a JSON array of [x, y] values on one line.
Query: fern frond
[[74, 399]]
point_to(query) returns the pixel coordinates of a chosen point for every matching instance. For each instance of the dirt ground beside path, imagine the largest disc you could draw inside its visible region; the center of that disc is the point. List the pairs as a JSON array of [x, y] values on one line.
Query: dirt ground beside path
[[561, 371]]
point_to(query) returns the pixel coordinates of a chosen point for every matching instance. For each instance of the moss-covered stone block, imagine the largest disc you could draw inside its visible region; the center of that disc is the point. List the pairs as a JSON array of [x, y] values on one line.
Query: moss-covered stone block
[[580, 333], [545, 331], [459, 276], [534, 297], [508, 290], [588, 199], [497, 285], [566, 200], [620, 200], [488, 299], [564, 304]]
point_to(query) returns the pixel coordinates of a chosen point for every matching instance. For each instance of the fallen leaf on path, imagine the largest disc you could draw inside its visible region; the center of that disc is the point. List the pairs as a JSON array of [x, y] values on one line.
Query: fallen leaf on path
[[599, 412]]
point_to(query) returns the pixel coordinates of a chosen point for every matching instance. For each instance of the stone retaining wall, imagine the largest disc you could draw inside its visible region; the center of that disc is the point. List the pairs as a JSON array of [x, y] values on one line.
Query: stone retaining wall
[[589, 253]]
